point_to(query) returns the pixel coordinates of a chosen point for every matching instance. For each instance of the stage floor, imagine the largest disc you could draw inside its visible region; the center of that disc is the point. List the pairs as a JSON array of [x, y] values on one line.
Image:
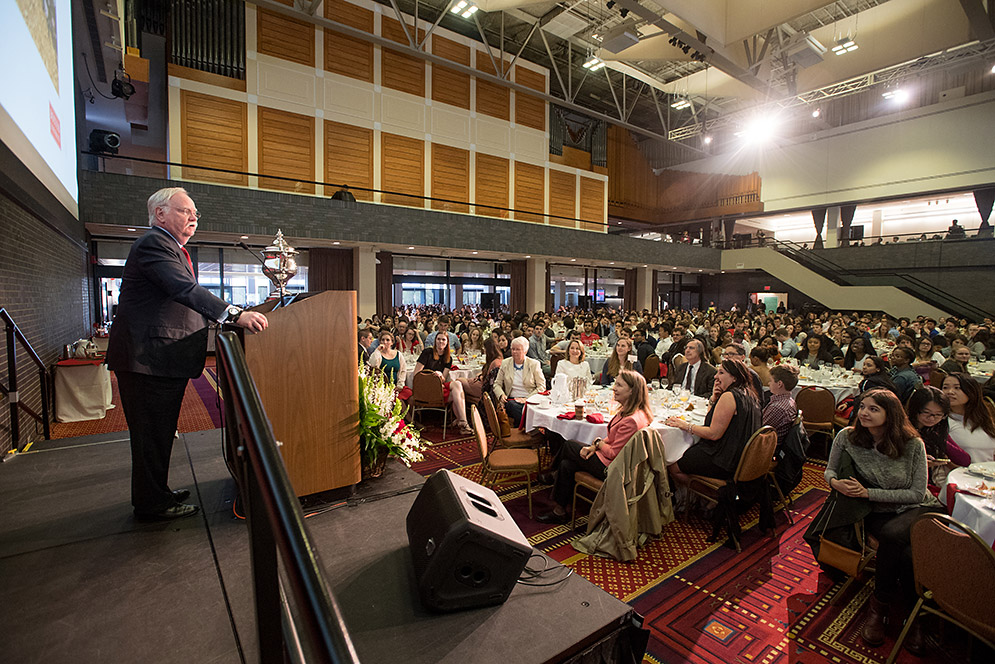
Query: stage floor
[[81, 580]]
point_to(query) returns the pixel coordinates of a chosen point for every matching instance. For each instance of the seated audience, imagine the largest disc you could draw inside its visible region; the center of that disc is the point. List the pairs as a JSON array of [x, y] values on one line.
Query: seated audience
[[619, 361], [410, 342], [473, 341], [781, 411], [815, 354], [588, 336], [906, 380], [629, 390], [389, 360], [438, 358], [889, 459], [519, 378], [858, 349], [971, 424], [442, 327], [365, 341], [958, 361], [574, 365], [733, 417], [481, 384], [875, 374]]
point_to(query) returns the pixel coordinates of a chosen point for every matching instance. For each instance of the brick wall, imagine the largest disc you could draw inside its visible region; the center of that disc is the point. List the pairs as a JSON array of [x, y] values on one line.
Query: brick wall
[[44, 286], [108, 198]]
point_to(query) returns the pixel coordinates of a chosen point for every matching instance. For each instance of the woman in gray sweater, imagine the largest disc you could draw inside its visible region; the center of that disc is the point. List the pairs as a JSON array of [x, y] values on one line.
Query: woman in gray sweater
[[890, 463]]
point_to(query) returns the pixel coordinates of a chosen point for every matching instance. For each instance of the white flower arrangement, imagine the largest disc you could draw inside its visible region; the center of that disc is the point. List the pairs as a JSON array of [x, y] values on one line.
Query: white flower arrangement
[[382, 429]]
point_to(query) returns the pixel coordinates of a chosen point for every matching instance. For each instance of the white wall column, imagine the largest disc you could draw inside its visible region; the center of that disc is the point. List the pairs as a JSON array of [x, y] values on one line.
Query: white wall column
[[876, 219], [535, 285], [644, 288], [364, 267], [833, 227]]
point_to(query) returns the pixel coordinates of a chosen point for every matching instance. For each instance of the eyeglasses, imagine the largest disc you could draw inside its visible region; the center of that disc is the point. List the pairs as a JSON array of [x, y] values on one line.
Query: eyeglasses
[[187, 212], [932, 416]]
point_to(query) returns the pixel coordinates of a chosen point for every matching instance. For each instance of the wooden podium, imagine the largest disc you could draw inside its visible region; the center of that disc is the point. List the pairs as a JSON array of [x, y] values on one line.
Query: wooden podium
[[305, 369]]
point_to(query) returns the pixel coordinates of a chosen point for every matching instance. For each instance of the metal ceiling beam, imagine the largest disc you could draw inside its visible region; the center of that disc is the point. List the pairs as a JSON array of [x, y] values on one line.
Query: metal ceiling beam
[[713, 57], [404, 25], [979, 20], [349, 31]]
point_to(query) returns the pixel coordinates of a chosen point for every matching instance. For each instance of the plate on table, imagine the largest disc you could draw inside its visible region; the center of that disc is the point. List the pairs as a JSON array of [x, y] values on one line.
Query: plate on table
[[538, 401], [983, 469]]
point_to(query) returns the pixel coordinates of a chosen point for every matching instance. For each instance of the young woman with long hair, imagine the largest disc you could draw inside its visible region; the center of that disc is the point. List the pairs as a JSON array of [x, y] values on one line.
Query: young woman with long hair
[[439, 359], [971, 423], [619, 361]]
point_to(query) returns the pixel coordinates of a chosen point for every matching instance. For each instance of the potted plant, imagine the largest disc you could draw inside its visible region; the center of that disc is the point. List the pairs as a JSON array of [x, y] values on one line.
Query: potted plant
[[383, 432]]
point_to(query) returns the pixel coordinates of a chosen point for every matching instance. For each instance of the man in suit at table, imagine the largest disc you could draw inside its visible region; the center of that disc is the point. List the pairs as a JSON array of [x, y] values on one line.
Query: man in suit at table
[[696, 374], [519, 378], [158, 343]]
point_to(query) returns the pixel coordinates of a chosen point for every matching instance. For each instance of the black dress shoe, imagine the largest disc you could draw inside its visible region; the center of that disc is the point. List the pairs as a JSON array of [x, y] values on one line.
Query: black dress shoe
[[546, 478], [174, 512], [552, 517], [181, 495]]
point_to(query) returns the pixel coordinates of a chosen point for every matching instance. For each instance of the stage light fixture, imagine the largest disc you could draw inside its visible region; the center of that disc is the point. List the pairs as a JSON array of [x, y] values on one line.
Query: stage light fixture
[[707, 140], [759, 129], [464, 9], [816, 113], [610, 4], [993, 69], [594, 63], [845, 45], [121, 85], [623, 12], [680, 104], [897, 95]]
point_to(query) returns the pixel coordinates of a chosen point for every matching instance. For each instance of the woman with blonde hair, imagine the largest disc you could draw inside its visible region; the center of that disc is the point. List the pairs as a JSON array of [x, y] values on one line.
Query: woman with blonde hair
[[619, 361], [573, 365], [629, 390]]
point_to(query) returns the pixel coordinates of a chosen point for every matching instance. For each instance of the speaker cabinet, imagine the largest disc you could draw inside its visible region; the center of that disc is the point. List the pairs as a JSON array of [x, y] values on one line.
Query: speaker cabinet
[[488, 301], [467, 550]]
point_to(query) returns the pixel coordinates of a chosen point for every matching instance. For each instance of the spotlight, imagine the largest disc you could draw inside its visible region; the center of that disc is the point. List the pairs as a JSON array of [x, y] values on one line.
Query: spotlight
[[897, 95], [104, 142], [594, 63], [122, 87], [673, 42], [845, 45], [623, 12], [610, 4], [759, 129], [686, 49], [816, 113], [707, 140], [993, 69]]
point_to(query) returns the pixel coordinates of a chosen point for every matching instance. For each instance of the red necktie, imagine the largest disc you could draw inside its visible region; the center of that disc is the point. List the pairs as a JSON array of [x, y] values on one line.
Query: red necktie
[[187, 254]]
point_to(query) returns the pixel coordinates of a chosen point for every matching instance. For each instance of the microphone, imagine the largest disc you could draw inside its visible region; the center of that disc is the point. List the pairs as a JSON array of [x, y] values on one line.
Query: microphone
[[257, 256]]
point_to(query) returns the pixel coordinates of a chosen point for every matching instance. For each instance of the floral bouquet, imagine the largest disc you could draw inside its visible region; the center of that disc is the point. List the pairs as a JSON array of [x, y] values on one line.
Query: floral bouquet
[[382, 430]]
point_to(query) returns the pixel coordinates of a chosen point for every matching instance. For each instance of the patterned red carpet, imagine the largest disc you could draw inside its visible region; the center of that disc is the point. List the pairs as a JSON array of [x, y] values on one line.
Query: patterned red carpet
[[704, 603]]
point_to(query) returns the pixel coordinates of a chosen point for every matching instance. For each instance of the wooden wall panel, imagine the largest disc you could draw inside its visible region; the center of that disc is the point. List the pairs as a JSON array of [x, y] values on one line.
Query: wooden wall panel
[[402, 169], [450, 177], [530, 192], [214, 133], [346, 55], [492, 185], [562, 198], [349, 157], [286, 148], [492, 99], [397, 70], [448, 85], [592, 204], [530, 111], [284, 37]]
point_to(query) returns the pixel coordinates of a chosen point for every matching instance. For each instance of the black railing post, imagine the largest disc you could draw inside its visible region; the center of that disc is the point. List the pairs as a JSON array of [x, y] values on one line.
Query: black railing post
[[15, 428], [45, 420], [265, 575]]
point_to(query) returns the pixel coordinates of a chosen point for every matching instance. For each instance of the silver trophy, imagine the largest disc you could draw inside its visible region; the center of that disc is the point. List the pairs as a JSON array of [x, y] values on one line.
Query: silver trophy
[[279, 264]]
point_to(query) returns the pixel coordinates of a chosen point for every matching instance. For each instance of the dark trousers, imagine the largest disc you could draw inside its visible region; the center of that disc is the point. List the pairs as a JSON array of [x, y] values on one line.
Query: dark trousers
[[514, 410], [568, 464], [894, 579], [152, 408]]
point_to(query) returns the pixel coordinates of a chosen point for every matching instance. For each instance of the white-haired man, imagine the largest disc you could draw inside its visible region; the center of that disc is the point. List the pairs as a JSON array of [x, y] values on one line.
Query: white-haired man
[[159, 342], [518, 378], [696, 374]]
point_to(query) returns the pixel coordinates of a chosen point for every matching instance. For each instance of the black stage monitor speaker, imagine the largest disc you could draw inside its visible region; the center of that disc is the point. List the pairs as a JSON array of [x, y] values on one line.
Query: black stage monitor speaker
[[467, 550]]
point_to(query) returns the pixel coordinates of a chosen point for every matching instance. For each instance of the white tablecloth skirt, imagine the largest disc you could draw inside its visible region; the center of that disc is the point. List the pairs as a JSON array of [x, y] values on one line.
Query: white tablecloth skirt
[[82, 392], [968, 509]]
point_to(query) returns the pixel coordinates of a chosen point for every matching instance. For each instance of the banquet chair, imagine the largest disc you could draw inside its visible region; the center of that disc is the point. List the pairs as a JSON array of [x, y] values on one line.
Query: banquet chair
[[864, 565], [515, 438], [990, 405], [960, 593], [427, 394], [754, 464], [589, 483], [553, 361], [818, 408], [936, 377], [515, 463], [651, 369], [676, 362]]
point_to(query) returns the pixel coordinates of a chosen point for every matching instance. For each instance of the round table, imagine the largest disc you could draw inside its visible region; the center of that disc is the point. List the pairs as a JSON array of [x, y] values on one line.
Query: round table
[[839, 391], [971, 510], [675, 441], [467, 371]]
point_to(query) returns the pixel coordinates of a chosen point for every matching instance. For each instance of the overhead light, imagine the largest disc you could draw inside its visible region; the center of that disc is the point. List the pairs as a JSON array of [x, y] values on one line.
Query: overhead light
[[594, 63], [474, 253], [612, 263], [707, 140], [845, 45], [680, 103], [528, 257], [573, 260], [244, 237], [646, 266], [133, 230], [993, 69], [464, 9], [899, 95], [817, 112], [410, 247], [759, 129], [336, 242]]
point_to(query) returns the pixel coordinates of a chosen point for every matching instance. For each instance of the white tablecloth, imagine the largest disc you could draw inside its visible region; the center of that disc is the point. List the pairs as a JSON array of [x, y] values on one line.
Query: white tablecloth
[[840, 392], [454, 374], [675, 441], [968, 509], [82, 392]]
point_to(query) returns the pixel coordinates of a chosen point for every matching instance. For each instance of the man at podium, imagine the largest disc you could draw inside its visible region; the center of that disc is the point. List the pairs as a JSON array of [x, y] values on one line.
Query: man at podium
[[158, 343]]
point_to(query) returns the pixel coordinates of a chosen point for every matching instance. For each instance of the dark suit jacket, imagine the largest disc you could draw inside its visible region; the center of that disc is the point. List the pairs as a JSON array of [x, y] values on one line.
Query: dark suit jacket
[[702, 381], [161, 324]]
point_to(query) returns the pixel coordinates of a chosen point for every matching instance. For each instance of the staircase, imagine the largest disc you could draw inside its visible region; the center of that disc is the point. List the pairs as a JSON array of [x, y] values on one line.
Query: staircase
[[832, 290]]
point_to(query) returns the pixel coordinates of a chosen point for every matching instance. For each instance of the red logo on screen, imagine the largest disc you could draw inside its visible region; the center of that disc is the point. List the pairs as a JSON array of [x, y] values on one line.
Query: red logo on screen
[[53, 121]]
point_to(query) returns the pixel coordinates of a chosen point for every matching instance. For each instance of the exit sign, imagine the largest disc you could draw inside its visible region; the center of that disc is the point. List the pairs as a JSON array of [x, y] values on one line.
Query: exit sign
[[766, 288]]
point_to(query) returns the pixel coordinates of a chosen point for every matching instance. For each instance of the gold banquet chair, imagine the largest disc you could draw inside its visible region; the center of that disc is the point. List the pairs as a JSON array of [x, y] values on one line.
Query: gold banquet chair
[[818, 408], [427, 394], [960, 593], [518, 463]]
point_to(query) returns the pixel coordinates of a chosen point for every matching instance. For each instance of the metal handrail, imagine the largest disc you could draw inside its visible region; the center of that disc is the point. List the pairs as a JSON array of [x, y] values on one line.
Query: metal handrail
[[14, 334], [941, 298], [276, 527]]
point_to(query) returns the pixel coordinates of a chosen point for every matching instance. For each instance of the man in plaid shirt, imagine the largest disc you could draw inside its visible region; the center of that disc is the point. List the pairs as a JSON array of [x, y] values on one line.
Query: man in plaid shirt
[[781, 411]]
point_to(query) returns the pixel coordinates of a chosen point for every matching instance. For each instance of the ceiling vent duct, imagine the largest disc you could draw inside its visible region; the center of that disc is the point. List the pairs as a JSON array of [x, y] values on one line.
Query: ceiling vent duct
[[805, 52], [621, 37]]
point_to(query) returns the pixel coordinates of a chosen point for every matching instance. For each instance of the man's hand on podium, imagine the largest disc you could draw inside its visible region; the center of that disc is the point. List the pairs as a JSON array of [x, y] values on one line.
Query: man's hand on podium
[[253, 321]]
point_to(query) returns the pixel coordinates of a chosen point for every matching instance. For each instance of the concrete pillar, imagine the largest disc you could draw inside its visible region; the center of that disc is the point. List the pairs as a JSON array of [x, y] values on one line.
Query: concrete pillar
[[644, 288], [398, 295], [560, 298], [457, 296], [876, 219], [535, 285], [832, 227], [365, 280]]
